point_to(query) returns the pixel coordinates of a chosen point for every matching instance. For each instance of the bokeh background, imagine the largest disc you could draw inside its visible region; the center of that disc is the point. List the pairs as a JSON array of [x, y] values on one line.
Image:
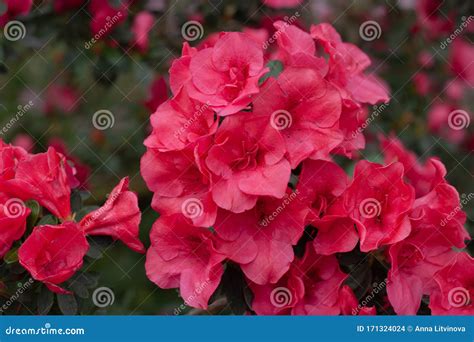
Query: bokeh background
[[58, 77]]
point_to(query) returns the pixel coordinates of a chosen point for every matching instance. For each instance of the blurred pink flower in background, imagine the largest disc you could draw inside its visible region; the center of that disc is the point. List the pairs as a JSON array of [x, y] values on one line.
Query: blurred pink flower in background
[[142, 25]]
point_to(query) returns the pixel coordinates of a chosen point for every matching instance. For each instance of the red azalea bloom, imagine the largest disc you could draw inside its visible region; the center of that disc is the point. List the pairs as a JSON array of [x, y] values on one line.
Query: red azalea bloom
[[13, 215], [261, 240], [423, 177], [44, 178], [142, 25], [297, 48], [158, 94], [434, 21], [119, 217], [454, 290], [226, 75], [461, 56], [78, 172], [52, 254], [379, 200], [181, 183], [106, 17], [416, 259], [442, 117], [61, 6], [347, 64], [282, 3], [61, 99], [311, 287], [15, 8], [180, 121], [247, 159], [10, 156], [350, 304], [305, 109], [184, 256]]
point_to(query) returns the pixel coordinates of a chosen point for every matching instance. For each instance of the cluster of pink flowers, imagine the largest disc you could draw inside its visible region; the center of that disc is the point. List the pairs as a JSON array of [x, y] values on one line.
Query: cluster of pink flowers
[[53, 253], [240, 163]]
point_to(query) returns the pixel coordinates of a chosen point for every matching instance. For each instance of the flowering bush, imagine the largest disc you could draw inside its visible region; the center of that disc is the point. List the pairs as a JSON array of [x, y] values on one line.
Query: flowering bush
[[288, 171], [44, 226], [241, 163]]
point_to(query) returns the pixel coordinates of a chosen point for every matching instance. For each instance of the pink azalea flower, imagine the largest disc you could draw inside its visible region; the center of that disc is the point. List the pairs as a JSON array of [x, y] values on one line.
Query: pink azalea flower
[[305, 109], [261, 239], [311, 287], [184, 256], [247, 159], [454, 288], [142, 25], [347, 66], [379, 201], [224, 76]]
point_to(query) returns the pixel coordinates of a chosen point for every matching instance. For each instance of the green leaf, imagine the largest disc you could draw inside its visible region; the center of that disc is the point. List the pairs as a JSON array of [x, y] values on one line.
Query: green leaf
[[45, 301], [12, 256], [35, 212], [94, 252], [48, 220], [87, 279], [276, 68], [67, 304], [79, 289], [76, 201]]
